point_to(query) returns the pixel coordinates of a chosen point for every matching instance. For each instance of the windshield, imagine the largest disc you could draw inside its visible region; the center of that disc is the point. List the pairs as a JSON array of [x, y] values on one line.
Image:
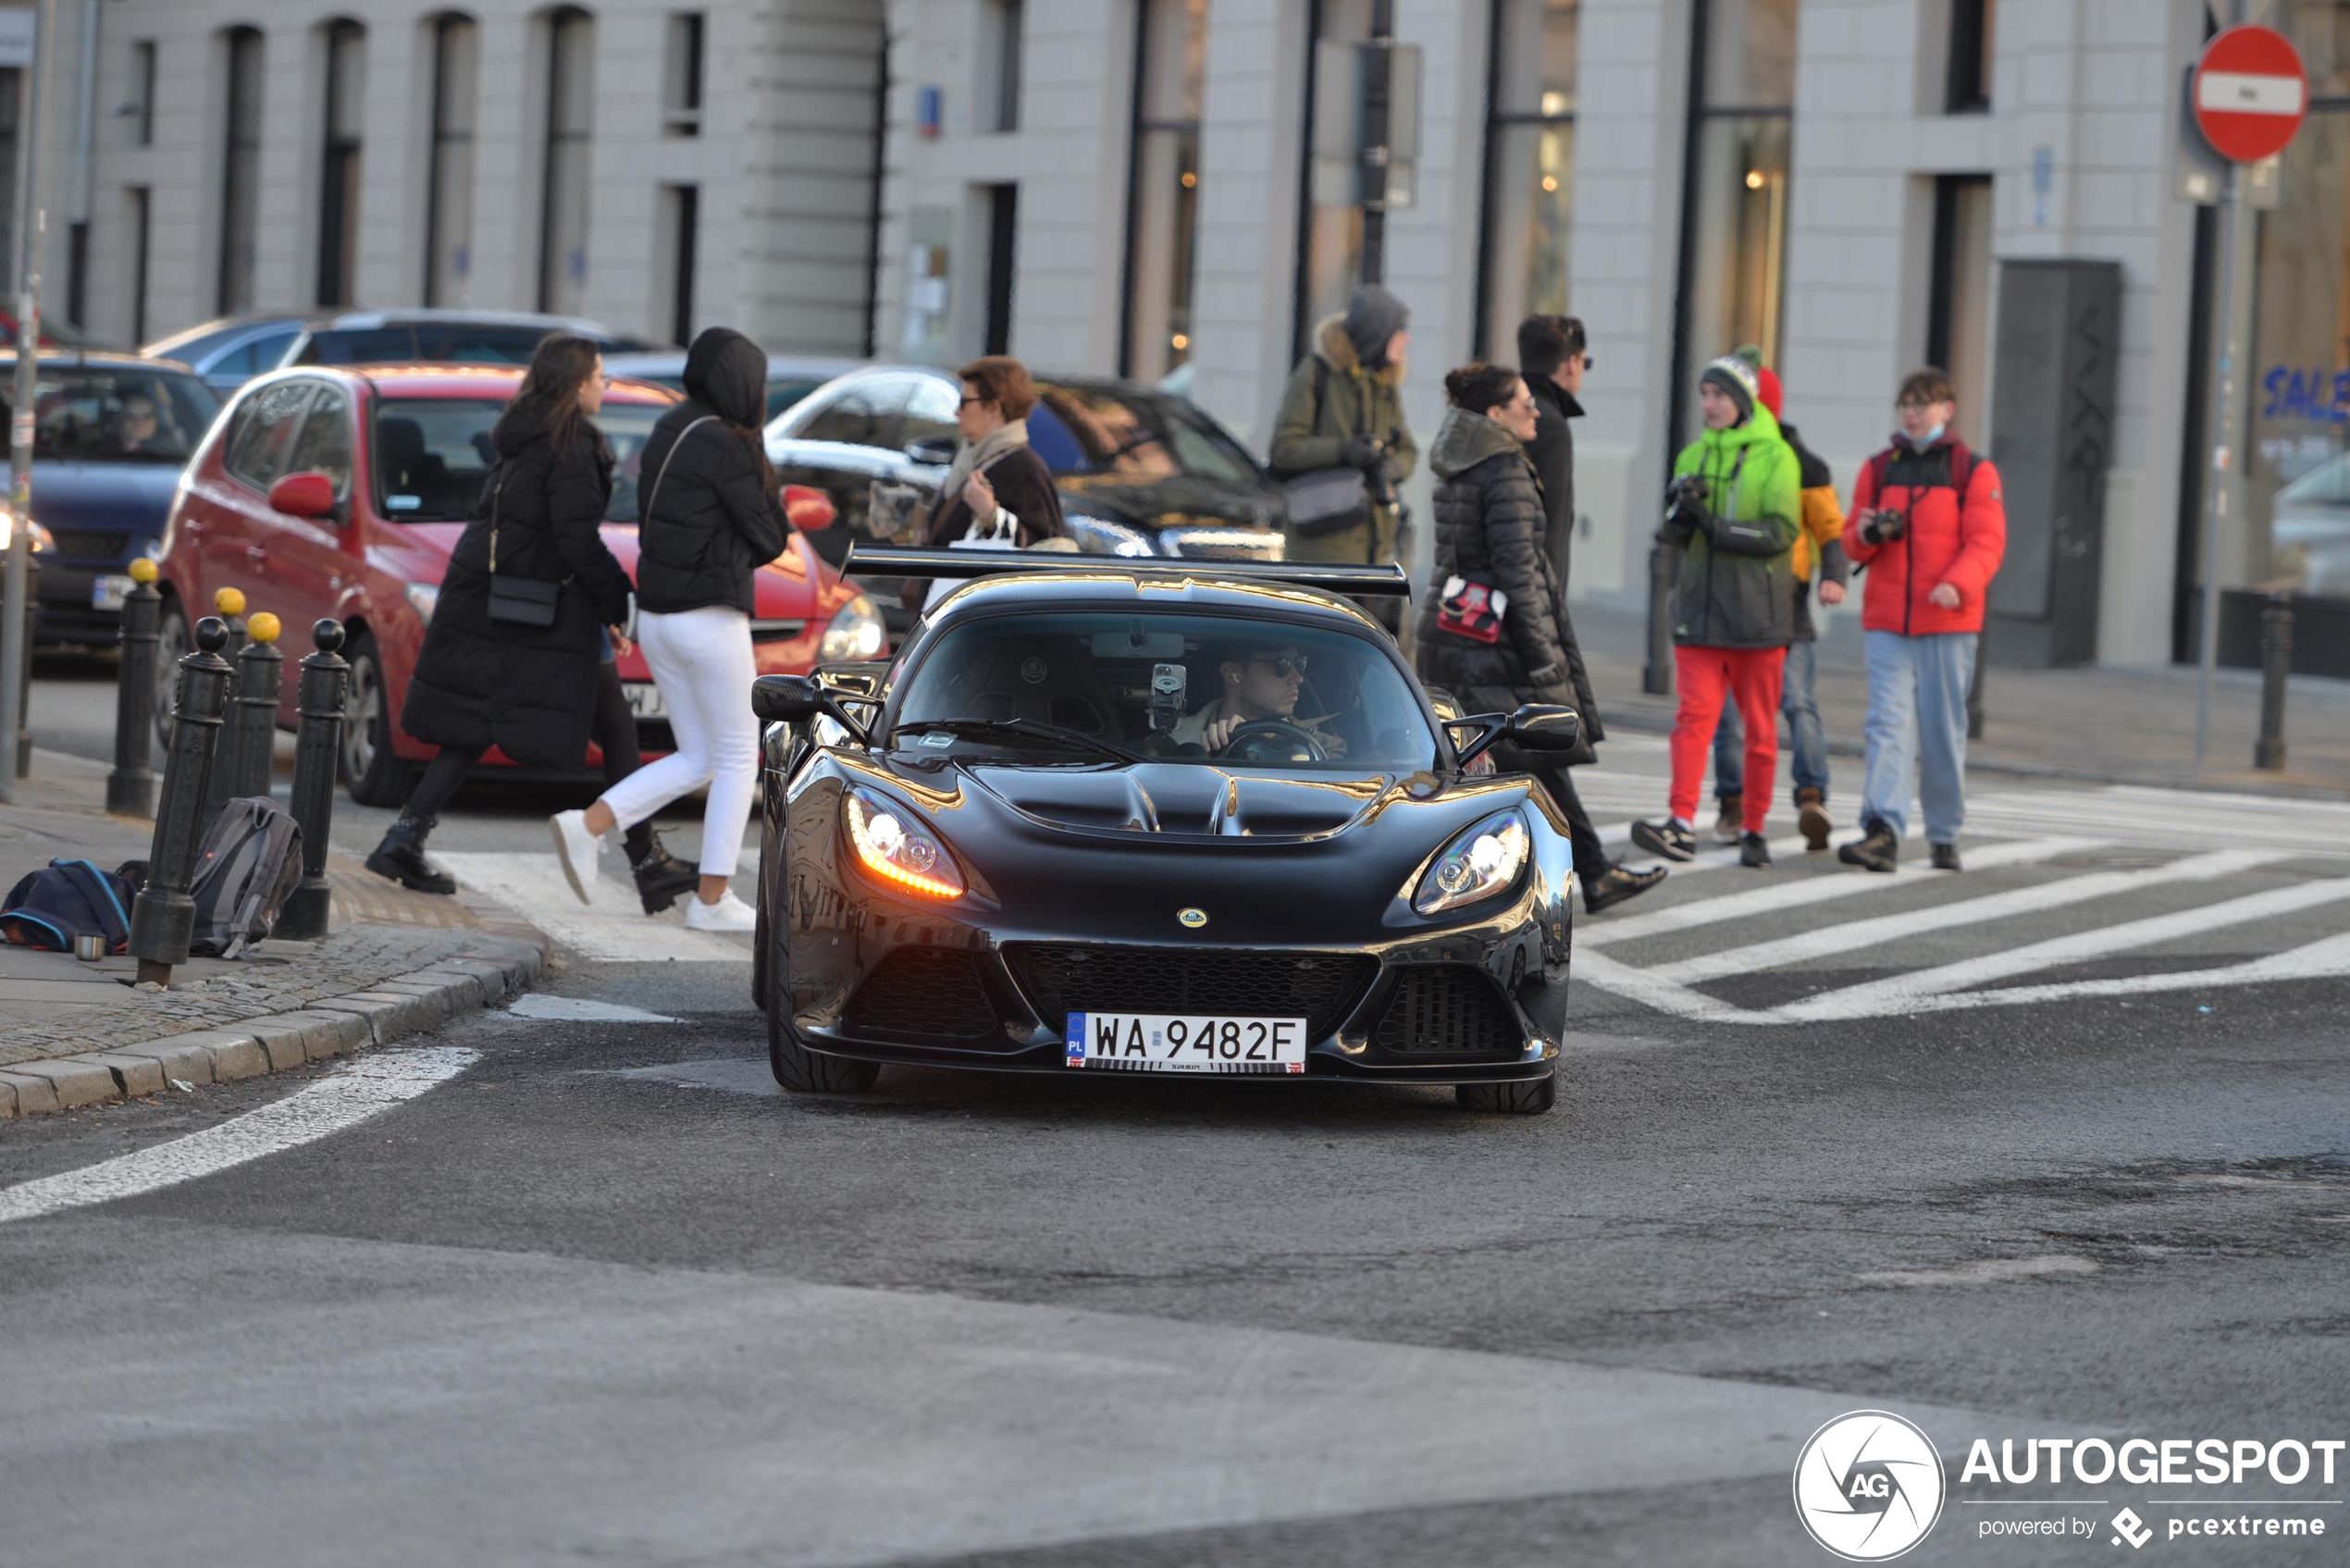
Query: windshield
[[1230, 691], [110, 414], [1132, 437], [433, 456]]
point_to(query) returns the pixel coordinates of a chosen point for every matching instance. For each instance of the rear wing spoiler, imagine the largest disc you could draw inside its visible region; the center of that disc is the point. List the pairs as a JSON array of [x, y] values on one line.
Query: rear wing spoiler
[[1331, 578]]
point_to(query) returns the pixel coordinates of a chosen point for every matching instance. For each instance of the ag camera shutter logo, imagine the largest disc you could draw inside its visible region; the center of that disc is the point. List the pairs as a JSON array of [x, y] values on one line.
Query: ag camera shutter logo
[[1868, 1486]]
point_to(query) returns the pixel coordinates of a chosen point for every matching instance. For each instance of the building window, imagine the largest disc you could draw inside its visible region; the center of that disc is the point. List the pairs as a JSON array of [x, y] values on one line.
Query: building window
[[1735, 203], [680, 225], [138, 235], [1163, 202], [563, 224], [1970, 86], [1330, 248], [1003, 247], [682, 75], [449, 193], [1006, 37], [339, 165], [240, 171], [1530, 167], [143, 93], [1958, 328]]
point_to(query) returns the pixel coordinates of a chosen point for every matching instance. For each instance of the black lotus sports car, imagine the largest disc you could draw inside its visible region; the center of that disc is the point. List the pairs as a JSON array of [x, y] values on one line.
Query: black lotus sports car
[[1111, 815]]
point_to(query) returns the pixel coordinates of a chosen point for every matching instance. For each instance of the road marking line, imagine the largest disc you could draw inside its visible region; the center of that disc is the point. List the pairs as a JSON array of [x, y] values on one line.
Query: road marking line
[[580, 1009], [613, 931], [1654, 990], [1817, 890], [1898, 993], [367, 1088], [2326, 958], [1804, 946]]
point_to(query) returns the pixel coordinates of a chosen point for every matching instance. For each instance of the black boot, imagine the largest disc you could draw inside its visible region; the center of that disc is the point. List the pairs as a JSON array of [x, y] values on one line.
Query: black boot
[[1616, 884], [400, 858], [1877, 850], [661, 877]]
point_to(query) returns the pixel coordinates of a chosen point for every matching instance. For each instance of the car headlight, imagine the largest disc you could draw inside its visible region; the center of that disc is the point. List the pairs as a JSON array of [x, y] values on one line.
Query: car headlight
[[855, 634], [1099, 536], [895, 847], [42, 541], [423, 597], [1477, 864]]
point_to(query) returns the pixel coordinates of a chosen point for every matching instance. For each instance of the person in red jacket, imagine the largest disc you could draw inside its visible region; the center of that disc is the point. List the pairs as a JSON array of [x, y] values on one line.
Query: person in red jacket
[[1928, 528]]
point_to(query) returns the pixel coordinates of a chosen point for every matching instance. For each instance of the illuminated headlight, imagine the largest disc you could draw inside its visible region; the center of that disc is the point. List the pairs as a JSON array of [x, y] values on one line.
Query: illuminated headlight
[[423, 597], [42, 541], [855, 634], [895, 847], [1099, 535], [1483, 861]]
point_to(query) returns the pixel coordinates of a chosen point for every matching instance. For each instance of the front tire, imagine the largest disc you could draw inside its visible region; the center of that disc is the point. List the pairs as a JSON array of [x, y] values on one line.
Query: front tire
[[802, 1071], [370, 771], [1532, 1099]]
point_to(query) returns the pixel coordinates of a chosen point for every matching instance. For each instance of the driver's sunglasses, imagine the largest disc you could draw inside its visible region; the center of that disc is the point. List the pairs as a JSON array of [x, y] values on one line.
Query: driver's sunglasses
[[1285, 665]]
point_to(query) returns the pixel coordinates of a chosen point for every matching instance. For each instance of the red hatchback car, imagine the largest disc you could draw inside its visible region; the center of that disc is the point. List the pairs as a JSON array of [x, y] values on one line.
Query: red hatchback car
[[327, 491]]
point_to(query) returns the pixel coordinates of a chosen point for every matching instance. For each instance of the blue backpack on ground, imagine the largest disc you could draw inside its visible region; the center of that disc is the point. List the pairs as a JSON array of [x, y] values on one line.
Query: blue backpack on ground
[[65, 899]]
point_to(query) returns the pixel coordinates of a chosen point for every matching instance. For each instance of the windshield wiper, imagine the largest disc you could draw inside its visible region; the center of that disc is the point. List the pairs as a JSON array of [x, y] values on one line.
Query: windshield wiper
[[1031, 729]]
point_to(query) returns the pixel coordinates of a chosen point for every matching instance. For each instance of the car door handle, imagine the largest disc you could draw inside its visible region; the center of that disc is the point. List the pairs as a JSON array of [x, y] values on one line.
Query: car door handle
[[256, 552]]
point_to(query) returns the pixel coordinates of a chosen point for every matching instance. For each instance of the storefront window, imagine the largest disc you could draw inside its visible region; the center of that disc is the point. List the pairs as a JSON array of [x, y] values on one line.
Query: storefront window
[[1333, 248], [1166, 197], [1529, 172]]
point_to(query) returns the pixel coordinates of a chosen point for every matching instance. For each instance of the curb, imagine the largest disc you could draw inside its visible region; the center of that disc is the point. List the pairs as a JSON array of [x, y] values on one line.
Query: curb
[[502, 966]]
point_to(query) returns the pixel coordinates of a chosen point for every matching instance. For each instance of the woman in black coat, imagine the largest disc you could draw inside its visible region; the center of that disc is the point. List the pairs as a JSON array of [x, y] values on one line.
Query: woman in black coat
[[1489, 535], [713, 515], [486, 679]]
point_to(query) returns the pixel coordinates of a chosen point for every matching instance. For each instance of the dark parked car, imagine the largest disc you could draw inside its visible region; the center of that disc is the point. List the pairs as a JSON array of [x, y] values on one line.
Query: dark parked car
[[1140, 473], [231, 351], [1012, 848], [110, 435]]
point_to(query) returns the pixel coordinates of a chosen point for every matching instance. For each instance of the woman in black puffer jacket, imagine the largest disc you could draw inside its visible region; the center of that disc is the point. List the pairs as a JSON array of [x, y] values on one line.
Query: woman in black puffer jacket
[[1490, 530], [712, 517]]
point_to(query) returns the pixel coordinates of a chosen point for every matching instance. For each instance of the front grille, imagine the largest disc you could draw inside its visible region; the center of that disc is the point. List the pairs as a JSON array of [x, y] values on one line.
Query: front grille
[[1449, 1012], [923, 994], [1065, 978], [91, 544]]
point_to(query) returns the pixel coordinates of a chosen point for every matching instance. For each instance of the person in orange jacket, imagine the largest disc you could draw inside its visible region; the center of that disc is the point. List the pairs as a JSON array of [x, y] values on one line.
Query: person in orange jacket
[[1928, 528], [1820, 542]]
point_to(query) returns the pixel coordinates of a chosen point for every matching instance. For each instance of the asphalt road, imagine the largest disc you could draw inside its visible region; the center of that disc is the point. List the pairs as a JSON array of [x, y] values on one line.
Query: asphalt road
[[592, 1292]]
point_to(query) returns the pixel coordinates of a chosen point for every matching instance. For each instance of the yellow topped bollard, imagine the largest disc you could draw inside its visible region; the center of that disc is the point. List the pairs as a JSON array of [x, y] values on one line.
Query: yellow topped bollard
[[131, 787], [143, 570], [229, 601], [263, 626]]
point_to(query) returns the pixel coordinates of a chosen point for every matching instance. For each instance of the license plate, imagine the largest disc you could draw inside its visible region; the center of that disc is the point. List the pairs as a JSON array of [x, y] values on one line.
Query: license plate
[[1186, 1042], [644, 700], [106, 592]]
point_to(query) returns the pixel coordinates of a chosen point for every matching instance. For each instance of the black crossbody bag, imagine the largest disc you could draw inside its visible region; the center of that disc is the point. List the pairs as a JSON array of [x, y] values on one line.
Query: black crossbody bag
[[518, 601]]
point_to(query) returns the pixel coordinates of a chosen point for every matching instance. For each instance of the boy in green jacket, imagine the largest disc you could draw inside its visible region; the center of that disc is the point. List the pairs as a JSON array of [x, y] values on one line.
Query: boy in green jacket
[[1735, 506]]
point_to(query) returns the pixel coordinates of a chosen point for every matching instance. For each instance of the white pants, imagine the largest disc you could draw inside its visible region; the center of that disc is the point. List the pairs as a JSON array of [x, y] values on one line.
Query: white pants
[[702, 660]]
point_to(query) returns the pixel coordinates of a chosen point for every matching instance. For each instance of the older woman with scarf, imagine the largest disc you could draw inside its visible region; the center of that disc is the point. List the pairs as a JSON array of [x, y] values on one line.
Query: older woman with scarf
[[996, 482], [711, 515]]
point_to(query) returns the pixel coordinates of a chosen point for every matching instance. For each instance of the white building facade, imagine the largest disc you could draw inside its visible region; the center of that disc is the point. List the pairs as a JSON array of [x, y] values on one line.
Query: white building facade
[[1127, 186]]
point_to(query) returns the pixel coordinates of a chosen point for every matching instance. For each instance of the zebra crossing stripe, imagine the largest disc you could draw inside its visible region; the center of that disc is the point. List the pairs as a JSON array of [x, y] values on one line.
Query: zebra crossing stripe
[[1804, 946], [1819, 889], [2326, 958], [1900, 993]]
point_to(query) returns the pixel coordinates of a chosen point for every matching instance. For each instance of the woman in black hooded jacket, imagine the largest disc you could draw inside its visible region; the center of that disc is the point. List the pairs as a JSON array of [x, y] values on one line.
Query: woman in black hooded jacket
[[712, 516], [1490, 532]]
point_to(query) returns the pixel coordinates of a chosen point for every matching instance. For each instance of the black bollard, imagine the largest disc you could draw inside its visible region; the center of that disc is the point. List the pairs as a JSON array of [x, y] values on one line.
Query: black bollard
[[2276, 663], [164, 916], [249, 741], [130, 789], [1975, 694], [1656, 676], [24, 666], [323, 676]]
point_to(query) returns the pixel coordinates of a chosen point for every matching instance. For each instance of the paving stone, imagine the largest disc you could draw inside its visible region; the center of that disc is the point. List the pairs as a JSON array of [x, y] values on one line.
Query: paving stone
[[75, 1080], [188, 1064], [378, 1011], [132, 1075], [234, 1053], [34, 1095], [7, 1098], [319, 1033]]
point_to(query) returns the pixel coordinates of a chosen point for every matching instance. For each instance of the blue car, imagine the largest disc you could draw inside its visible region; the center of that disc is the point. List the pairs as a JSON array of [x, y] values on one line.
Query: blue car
[[111, 433]]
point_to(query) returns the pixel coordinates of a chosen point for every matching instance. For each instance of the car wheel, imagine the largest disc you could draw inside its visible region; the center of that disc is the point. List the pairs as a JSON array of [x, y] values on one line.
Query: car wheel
[[173, 643], [1509, 1099], [802, 1071], [370, 771]]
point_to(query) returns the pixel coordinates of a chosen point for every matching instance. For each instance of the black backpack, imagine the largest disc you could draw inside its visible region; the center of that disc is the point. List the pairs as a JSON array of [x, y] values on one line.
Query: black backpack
[[250, 865], [65, 899]]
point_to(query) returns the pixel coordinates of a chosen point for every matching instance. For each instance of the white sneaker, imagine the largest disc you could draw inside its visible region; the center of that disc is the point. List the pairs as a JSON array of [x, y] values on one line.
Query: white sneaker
[[577, 849], [729, 913]]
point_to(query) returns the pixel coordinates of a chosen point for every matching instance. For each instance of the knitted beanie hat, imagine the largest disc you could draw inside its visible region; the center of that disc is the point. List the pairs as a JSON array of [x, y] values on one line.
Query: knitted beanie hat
[[1735, 378]]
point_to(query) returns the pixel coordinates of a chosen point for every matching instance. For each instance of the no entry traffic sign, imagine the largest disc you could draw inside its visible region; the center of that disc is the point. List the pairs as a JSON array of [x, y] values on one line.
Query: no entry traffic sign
[[2250, 93]]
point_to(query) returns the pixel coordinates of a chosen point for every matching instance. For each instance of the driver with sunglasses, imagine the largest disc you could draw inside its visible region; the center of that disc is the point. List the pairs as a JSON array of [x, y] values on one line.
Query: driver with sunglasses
[[1260, 682]]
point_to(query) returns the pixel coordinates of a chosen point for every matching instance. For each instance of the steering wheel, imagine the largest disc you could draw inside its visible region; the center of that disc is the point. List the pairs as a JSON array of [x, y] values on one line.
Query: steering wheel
[[1273, 740]]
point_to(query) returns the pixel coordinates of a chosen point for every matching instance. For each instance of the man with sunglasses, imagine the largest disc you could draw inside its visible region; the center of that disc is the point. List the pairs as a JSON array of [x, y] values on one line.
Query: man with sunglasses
[[1552, 355], [1256, 684]]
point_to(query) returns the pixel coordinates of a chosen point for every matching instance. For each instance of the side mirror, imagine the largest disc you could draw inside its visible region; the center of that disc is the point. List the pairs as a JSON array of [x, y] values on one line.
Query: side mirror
[[810, 510], [1544, 726], [785, 700], [303, 495], [936, 451]]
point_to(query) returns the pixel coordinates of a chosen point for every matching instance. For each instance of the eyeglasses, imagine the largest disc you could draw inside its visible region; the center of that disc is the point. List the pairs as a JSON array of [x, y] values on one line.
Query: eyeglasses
[[1913, 405], [1589, 362], [968, 402], [1285, 665]]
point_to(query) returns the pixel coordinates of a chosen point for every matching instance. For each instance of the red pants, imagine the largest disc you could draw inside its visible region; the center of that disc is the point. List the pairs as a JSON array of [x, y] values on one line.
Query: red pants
[[1749, 676]]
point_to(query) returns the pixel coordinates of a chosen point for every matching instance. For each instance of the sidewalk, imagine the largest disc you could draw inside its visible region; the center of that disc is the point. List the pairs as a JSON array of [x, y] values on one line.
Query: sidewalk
[[2097, 725], [73, 1034]]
